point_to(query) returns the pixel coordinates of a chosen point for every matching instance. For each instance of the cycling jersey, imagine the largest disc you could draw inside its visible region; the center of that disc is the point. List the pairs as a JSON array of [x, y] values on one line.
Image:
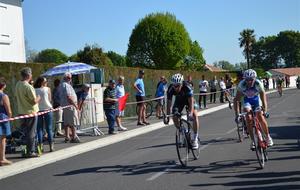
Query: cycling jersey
[[181, 97], [251, 94]]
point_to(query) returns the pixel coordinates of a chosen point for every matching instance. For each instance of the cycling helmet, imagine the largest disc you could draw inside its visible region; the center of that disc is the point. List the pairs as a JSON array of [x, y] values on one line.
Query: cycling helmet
[[250, 74], [177, 78]]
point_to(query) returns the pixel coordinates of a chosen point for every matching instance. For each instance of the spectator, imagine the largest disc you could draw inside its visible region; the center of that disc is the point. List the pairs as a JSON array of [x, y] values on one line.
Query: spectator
[[70, 114], [287, 81], [44, 92], [120, 92], [5, 112], [228, 84], [223, 88], [82, 95], [203, 84], [213, 89], [160, 92], [56, 104], [273, 82], [109, 105], [190, 81], [140, 98], [27, 102]]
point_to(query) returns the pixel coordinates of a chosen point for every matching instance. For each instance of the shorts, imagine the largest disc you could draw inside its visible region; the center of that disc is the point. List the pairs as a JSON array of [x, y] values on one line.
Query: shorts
[[70, 117], [140, 99], [119, 113], [251, 103], [4, 126]]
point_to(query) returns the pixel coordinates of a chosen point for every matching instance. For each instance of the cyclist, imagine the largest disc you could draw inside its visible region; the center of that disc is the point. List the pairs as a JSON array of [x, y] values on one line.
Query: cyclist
[[279, 85], [252, 92], [183, 93]]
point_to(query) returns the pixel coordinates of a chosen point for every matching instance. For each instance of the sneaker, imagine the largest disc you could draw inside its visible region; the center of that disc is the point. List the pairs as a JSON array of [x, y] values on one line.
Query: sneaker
[[139, 123], [121, 128], [195, 144], [270, 141], [113, 132], [252, 146], [32, 155], [67, 139], [75, 140], [146, 123]]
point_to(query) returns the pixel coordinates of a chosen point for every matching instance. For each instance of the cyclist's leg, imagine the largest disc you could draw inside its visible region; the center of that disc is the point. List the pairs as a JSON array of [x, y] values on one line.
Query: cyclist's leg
[[195, 124], [247, 108], [179, 108]]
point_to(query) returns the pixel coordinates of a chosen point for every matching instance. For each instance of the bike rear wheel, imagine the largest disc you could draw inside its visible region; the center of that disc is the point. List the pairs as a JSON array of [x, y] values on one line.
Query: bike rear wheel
[[182, 146]]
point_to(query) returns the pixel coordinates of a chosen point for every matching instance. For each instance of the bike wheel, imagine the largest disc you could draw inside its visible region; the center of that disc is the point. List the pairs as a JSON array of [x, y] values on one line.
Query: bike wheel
[[258, 149], [182, 146], [148, 109], [196, 152]]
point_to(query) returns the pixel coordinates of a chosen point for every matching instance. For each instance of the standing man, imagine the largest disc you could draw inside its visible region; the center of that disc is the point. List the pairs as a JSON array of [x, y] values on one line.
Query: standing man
[[140, 98], [223, 89], [213, 89], [27, 102], [160, 92], [120, 92], [56, 104], [109, 106], [203, 84], [70, 114]]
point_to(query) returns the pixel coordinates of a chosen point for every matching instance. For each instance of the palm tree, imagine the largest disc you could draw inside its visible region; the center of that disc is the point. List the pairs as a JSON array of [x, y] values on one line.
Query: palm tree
[[247, 39]]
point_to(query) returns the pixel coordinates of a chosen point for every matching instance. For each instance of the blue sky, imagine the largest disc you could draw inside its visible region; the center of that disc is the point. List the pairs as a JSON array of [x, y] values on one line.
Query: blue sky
[[68, 25]]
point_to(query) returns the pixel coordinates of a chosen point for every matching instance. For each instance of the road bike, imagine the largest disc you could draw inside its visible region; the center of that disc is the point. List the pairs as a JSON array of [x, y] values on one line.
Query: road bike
[[183, 139], [259, 139]]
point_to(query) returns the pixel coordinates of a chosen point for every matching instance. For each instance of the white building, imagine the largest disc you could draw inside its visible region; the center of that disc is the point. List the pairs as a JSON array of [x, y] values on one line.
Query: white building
[[12, 46]]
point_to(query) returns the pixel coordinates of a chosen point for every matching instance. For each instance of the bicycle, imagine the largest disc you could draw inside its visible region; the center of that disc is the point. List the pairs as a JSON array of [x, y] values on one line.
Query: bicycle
[[259, 139], [149, 108], [183, 140]]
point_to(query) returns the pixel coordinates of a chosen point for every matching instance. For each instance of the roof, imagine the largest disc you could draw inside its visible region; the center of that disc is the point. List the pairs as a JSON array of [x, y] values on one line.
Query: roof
[[213, 68], [287, 71]]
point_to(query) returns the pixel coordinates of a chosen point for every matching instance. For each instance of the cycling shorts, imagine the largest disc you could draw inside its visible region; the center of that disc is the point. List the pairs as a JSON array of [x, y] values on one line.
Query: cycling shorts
[[251, 103]]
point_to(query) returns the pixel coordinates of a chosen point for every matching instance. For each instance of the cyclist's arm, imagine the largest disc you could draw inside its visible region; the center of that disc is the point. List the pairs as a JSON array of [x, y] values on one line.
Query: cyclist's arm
[[236, 101], [169, 104], [191, 104], [263, 98]]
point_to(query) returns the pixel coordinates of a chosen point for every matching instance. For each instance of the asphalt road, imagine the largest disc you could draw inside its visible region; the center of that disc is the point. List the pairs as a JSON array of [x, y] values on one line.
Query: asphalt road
[[149, 161]]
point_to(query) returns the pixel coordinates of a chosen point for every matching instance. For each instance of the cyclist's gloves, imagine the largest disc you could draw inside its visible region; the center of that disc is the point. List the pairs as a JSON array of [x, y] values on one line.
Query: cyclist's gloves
[[267, 114], [190, 117]]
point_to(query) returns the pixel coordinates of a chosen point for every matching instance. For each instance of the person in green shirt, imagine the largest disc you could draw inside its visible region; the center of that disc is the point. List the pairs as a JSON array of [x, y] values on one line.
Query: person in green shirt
[[27, 102]]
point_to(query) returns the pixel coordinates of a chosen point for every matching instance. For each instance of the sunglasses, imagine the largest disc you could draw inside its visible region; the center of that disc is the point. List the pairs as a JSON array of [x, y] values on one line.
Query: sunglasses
[[249, 80]]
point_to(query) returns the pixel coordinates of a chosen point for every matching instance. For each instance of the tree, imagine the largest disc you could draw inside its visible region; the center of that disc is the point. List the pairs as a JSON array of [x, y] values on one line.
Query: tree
[[117, 60], [194, 61], [51, 56], [158, 41], [289, 47], [224, 65], [92, 55], [30, 53], [246, 41], [240, 66]]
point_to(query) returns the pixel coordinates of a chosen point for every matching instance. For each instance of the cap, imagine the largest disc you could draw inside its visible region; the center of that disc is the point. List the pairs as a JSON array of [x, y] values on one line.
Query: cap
[[142, 72], [112, 81]]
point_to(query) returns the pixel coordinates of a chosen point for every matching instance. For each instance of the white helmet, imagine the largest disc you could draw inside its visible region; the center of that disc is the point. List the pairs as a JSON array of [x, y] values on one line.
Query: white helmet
[[250, 74], [177, 78]]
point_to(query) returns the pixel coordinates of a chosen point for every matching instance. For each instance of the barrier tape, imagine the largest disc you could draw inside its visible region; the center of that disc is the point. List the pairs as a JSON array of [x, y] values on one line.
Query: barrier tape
[[92, 99], [34, 114]]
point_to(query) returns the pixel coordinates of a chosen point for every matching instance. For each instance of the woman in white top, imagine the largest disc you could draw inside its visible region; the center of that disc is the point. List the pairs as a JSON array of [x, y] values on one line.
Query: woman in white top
[[44, 120], [120, 92]]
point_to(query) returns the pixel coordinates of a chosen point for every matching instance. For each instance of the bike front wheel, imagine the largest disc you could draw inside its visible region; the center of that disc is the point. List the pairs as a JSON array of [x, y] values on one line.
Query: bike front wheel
[[182, 146], [260, 153]]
